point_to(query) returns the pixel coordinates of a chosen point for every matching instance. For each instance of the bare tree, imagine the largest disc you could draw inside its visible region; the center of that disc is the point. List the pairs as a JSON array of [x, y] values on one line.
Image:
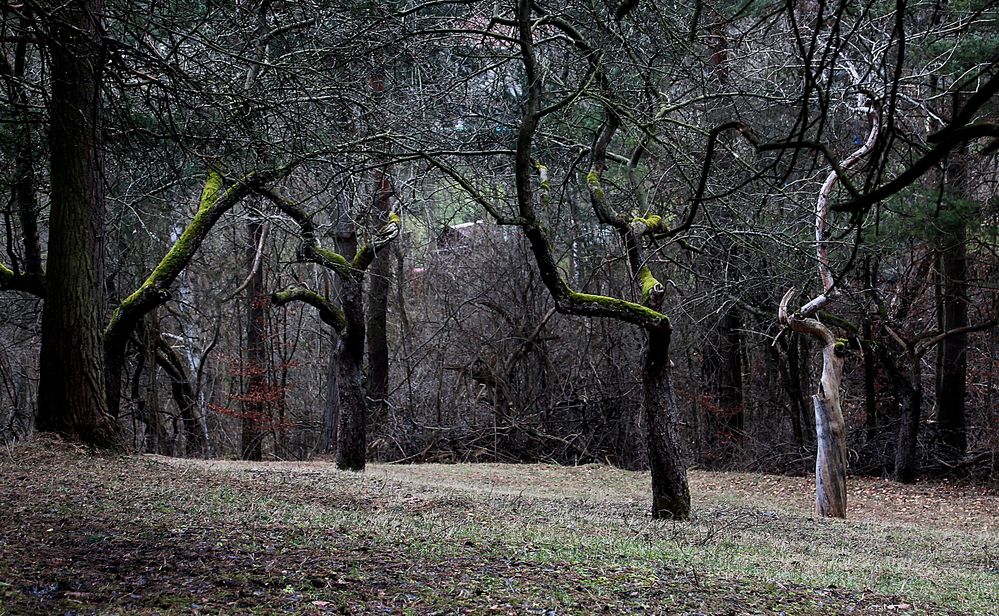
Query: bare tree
[[830, 428], [346, 319]]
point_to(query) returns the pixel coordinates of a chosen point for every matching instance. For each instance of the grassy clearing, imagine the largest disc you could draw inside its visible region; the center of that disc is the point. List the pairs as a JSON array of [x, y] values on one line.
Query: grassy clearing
[[145, 535]]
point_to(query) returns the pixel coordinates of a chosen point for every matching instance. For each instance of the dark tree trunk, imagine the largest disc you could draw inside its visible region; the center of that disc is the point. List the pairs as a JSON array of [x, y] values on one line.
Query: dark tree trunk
[[789, 364], [348, 319], [348, 405], [378, 292], [114, 349], [725, 355], [870, 380], [908, 430], [722, 370], [255, 399], [71, 397], [670, 492], [729, 382], [351, 435], [952, 305], [331, 406], [145, 394], [952, 360], [185, 397]]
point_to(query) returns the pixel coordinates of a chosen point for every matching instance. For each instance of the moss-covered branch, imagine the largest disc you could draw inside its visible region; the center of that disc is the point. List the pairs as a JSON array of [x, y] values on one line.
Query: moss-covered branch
[[310, 250], [383, 237], [326, 258], [566, 300], [598, 165], [828, 317], [26, 283], [328, 312], [585, 304], [653, 224], [217, 198], [653, 291]]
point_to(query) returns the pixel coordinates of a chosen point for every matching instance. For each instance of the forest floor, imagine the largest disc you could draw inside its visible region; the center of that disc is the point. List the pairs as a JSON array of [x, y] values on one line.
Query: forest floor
[[82, 534]]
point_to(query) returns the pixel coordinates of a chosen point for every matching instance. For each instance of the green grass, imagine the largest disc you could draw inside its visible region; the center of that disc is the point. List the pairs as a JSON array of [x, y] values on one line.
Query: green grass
[[143, 535]]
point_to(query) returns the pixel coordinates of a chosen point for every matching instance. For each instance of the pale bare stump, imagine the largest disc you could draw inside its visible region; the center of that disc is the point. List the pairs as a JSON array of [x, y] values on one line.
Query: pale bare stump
[[830, 430], [830, 459]]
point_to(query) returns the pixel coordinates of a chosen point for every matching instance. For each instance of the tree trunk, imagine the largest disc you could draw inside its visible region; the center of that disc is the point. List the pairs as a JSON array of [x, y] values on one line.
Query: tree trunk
[[71, 397], [830, 460], [184, 396], [790, 372], [908, 431], [378, 292], [114, 350], [351, 432], [670, 492], [729, 382], [331, 406], [254, 400], [830, 428], [725, 355], [870, 380], [145, 392], [952, 359]]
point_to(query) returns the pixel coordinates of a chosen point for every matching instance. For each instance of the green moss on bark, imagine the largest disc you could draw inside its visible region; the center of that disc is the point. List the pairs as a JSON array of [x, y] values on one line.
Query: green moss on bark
[[328, 312], [620, 305], [210, 193], [593, 183], [335, 259], [842, 346], [185, 244], [648, 282], [653, 223]]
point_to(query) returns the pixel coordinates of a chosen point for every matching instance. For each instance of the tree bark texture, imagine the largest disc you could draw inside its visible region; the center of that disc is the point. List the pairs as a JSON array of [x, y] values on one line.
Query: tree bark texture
[[145, 392], [331, 406], [185, 397], [952, 354], [908, 431], [72, 389], [830, 433], [670, 491], [378, 292], [351, 431], [255, 405]]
